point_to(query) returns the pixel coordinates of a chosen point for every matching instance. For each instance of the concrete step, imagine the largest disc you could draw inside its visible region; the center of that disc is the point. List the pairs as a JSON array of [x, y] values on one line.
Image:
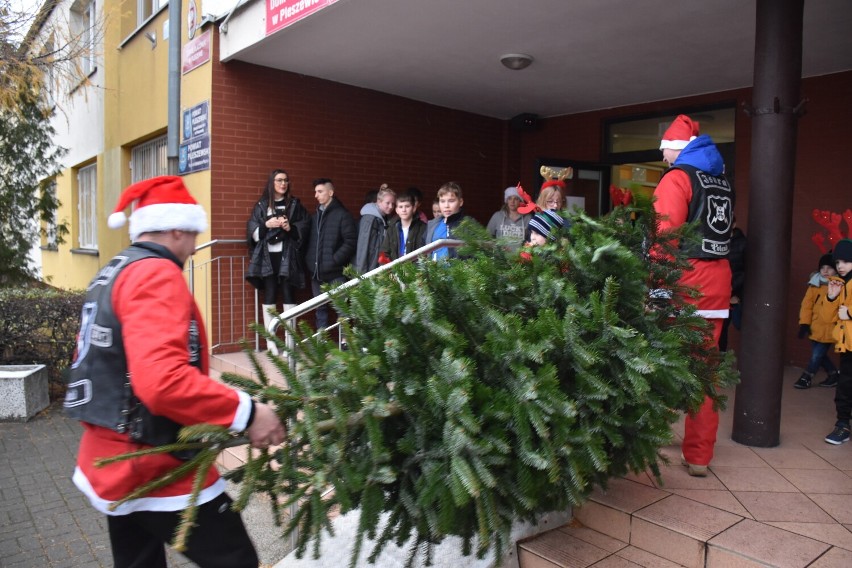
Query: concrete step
[[240, 364], [666, 525], [576, 546], [633, 524]]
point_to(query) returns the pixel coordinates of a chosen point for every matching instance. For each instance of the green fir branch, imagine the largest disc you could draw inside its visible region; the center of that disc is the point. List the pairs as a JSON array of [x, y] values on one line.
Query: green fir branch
[[485, 390]]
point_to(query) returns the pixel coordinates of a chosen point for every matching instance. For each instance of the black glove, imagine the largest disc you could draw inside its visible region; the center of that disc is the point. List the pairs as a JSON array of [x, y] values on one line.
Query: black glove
[[804, 330]]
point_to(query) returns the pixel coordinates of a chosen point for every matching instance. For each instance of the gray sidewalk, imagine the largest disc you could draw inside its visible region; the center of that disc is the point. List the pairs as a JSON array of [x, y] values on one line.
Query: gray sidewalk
[[45, 522]]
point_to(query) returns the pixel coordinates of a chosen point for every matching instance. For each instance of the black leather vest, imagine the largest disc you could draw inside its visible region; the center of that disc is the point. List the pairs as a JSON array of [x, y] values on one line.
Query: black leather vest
[[712, 206], [99, 390]]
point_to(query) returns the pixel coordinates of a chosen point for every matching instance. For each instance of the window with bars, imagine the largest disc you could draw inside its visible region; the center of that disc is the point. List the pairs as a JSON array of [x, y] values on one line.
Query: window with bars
[[87, 210], [149, 160]]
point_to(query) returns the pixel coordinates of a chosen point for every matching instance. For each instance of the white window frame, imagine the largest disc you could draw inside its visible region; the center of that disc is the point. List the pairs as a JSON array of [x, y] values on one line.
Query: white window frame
[[50, 240], [149, 159], [145, 9], [87, 207], [84, 20], [50, 89]]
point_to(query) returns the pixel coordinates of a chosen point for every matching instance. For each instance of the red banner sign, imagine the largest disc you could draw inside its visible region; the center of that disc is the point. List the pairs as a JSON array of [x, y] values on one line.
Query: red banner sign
[[282, 13], [196, 52]]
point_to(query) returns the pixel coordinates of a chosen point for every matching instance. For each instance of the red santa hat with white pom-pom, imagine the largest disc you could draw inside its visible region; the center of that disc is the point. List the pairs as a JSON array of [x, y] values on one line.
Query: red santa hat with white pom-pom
[[159, 204], [680, 132]]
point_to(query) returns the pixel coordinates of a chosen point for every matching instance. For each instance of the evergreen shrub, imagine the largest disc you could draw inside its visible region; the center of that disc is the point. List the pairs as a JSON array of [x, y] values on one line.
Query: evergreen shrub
[[39, 326]]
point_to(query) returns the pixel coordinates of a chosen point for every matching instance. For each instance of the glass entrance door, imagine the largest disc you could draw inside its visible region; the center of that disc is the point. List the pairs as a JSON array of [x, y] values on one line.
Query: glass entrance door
[[587, 189]]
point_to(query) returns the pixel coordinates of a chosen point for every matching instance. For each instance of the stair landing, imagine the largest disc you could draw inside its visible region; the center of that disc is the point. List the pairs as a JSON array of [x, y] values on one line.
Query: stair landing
[[788, 506]]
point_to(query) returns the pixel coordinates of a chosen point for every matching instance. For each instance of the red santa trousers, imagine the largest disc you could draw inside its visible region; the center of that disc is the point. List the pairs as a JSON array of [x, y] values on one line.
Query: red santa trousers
[[700, 428]]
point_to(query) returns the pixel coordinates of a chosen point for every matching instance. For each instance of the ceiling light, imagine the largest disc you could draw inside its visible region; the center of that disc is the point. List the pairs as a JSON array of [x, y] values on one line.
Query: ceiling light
[[516, 61]]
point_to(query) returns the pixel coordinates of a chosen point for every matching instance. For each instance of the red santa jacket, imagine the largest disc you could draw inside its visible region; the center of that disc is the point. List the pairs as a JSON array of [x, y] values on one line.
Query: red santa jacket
[[154, 306], [710, 277]]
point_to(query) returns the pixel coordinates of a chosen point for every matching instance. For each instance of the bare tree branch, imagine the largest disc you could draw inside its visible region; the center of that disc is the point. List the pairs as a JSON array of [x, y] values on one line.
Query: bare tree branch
[[47, 54]]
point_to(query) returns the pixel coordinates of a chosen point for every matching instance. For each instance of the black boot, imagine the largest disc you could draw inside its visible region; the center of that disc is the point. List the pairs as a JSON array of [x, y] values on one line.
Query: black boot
[[831, 380], [804, 381]]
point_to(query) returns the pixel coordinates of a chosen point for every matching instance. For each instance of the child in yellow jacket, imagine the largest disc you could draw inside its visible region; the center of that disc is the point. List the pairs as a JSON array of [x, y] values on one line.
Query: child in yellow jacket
[[817, 327], [837, 307]]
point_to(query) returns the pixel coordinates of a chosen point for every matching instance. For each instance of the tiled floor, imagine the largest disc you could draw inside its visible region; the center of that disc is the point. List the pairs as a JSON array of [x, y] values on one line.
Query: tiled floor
[[785, 506]]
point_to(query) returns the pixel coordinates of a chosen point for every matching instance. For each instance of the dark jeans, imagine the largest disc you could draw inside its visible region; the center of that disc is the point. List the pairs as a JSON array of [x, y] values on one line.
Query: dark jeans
[[736, 318], [272, 284], [820, 358], [843, 394], [218, 539], [322, 311]]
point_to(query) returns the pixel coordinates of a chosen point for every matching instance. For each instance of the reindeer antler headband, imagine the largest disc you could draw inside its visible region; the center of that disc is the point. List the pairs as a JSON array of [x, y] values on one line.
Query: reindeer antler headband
[[555, 176]]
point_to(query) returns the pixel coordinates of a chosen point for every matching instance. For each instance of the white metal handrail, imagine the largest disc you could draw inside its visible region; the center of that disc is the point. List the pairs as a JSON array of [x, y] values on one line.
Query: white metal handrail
[[226, 318], [325, 297]]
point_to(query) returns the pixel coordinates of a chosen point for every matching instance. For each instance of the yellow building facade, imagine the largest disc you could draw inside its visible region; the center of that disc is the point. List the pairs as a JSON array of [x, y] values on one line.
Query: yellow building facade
[[134, 77]]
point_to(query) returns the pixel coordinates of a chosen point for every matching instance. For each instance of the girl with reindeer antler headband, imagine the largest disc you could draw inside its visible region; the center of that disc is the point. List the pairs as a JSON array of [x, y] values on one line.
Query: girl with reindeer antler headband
[[551, 196]]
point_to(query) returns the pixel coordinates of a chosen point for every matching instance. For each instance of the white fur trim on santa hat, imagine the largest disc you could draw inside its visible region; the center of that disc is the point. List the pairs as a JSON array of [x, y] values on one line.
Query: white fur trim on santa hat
[[116, 220], [676, 144], [166, 217]]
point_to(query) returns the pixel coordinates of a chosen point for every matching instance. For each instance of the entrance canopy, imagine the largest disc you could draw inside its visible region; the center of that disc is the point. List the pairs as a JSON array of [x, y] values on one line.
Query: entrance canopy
[[586, 54]]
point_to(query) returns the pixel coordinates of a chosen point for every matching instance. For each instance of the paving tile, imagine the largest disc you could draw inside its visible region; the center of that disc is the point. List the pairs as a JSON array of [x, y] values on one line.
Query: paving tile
[[736, 456], [671, 544], [595, 538], [529, 559], [838, 456], [831, 480], [834, 558], [830, 533], [626, 495], [695, 519], [720, 499], [838, 506], [644, 478], [676, 529], [816, 440], [752, 479], [639, 557], [801, 458], [750, 543], [614, 561], [768, 506], [561, 548], [605, 519], [675, 476]]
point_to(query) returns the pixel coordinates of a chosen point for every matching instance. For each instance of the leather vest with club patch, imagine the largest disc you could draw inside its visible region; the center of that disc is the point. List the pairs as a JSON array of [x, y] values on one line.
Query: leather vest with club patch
[[99, 388], [712, 206]]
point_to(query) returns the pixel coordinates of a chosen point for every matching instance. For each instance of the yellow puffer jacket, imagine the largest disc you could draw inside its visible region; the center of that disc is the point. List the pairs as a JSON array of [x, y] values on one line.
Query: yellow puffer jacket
[[811, 312], [842, 332]]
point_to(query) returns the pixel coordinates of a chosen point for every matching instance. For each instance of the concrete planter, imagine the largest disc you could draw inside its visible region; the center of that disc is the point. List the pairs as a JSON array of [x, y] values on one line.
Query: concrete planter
[[23, 392]]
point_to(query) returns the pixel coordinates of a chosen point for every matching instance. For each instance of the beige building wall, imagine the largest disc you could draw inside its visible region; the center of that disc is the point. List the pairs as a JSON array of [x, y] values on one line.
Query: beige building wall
[[134, 67]]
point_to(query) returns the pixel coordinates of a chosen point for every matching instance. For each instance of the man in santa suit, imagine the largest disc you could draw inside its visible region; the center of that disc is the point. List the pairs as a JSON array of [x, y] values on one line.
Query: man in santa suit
[[141, 373], [695, 189]]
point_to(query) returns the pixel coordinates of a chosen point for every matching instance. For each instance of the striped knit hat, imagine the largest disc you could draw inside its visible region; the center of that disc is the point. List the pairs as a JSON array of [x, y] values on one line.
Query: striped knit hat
[[547, 224]]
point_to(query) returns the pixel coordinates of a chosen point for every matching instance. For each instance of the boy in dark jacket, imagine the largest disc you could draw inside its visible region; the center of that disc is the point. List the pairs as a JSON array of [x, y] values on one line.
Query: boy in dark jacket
[[331, 243], [406, 234]]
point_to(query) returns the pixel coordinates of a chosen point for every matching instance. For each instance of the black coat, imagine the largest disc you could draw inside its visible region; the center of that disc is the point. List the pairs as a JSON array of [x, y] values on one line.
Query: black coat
[[416, 238], [260, 265], [736, 256], [332, 239]]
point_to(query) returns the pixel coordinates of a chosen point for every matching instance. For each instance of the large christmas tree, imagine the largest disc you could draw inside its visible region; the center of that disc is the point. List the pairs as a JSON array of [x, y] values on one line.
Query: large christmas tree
[[487, 389]]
